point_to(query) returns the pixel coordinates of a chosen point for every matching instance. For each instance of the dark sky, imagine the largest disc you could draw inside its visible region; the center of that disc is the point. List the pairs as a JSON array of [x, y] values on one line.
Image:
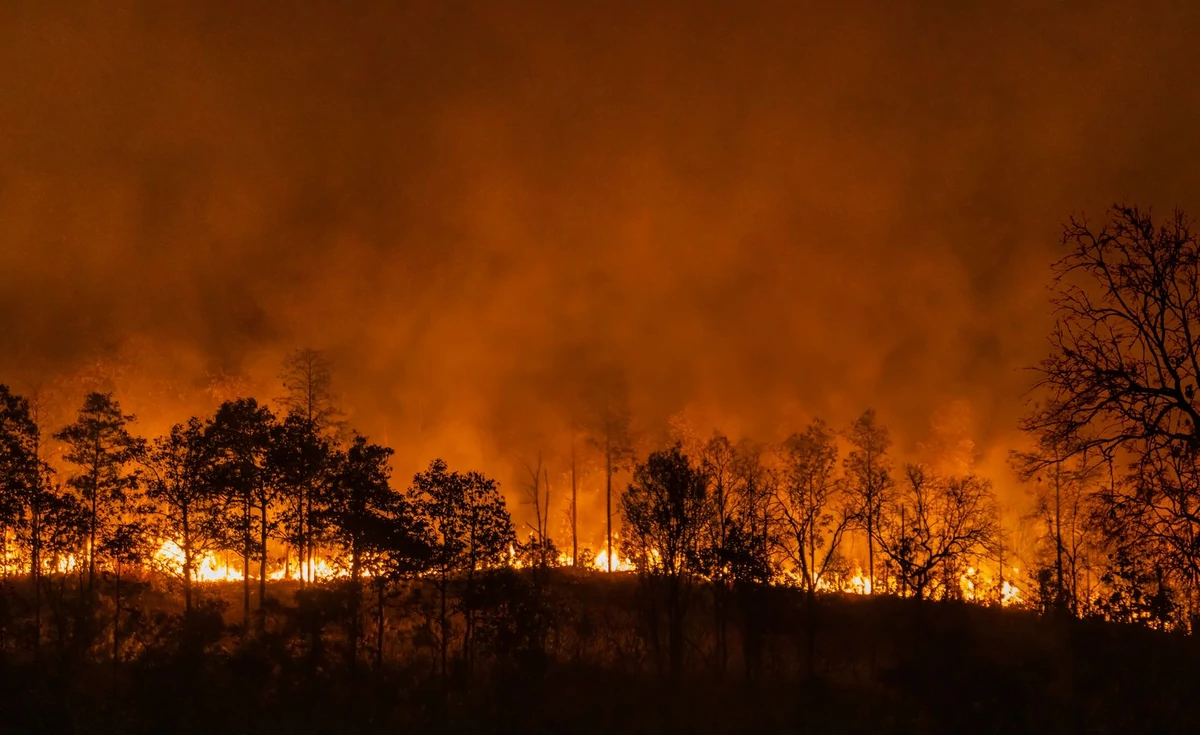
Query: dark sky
[[758, 212]]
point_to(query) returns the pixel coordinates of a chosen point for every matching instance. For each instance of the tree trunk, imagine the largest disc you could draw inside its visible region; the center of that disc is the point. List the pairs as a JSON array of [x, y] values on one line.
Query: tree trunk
[[92, 545], [246, 563], [574, 509], [870, 551], [262, 563], [674, 631], [187, 563], [608, 494], [379, 626], [355, 605], [35, 573], [445, 640], [116, 652]]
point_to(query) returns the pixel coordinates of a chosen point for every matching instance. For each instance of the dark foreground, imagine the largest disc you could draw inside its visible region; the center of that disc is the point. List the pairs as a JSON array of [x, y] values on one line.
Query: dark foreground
[[861, 665]]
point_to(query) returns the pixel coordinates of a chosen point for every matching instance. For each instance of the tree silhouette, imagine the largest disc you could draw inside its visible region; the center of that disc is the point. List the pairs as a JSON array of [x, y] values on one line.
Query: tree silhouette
[[810, 507], [240, 435], [25, 488], [1121, 379], [935, 525], [181, 483], [608, 427], [724, 537], [470, 530], [373, 527], [301, 461], [307, 377], [868, 480], [102, 449], [664, 513]]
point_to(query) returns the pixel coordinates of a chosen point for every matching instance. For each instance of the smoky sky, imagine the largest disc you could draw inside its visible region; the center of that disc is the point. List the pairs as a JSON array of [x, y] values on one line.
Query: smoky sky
[[756, 212]]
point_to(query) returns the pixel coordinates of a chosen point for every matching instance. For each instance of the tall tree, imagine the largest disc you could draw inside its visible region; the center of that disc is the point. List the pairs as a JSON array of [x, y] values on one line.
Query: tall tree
[[307, 377], [24, 484], [810, 504], [868, 480], [471, 530], [367, 521], [664, 513], [540, 550], [1122, 374], [609, 432], [301, 462], [722, 541], [240, 435], [1066, 502], [181, 484], [103, 451], [27, 481]]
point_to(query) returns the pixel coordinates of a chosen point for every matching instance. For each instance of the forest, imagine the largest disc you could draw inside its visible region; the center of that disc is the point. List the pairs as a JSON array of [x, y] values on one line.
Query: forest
[[262, 565]]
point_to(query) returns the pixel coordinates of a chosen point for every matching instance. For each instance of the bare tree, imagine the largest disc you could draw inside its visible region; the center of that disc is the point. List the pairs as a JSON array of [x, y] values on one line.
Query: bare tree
[[609, 433], [936, 526], [1121, 378], [540, 549], [810, 506], [868, 480]]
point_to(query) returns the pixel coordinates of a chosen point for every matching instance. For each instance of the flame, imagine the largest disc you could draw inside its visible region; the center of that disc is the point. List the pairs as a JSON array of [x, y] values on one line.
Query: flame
[[208, 568], [619, 564], [859, 584]]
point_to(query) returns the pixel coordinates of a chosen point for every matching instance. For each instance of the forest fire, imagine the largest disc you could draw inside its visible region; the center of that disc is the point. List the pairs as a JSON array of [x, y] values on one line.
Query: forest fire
[[618, 564], [599, 367], [209, 568]]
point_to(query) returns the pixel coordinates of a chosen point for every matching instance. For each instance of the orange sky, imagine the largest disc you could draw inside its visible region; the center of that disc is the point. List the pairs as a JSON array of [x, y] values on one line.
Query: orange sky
[[755, 214]]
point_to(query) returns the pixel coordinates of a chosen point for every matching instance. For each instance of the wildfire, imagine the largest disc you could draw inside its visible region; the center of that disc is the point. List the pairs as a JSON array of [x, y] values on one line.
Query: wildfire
[[619, 564], [858, 584], [208, 568]]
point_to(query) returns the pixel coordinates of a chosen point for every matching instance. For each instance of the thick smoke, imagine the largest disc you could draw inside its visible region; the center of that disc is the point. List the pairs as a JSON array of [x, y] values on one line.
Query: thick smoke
[[756, 215]]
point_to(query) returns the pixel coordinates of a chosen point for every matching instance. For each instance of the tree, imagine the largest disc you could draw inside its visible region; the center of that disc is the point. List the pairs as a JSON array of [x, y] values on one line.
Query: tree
[[470, 530], [722, 542], [809, 508], [102, 449], [308, 400], [1068, 511], [608, 426], [128, 544], [64, 529], [868, 481], [180, 482], [240, 435], [307, 377], [1121, 378], [935, 525], [301, 461], [25, 487], [664, 513], [539, 550], [370, 524]]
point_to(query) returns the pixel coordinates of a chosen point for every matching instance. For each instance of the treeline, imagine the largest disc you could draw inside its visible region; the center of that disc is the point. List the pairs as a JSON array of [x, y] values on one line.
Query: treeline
[[708, 520], [1112, 531], [237, 483]]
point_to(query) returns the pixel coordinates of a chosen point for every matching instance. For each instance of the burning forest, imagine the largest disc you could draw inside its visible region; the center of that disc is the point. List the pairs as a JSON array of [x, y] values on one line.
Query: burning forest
[[621, 367]]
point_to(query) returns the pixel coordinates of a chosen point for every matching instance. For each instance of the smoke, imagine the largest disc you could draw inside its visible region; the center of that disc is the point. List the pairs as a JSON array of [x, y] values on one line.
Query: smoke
[[756, 214]]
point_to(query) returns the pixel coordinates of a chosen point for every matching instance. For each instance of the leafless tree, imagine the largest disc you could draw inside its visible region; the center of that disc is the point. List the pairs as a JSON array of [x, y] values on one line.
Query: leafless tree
[[868, 480], [1120, 381], [811, 509], [936, 525]]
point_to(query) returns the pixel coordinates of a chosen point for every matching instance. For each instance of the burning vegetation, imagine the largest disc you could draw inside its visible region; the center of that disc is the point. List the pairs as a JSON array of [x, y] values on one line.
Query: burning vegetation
[[712, 551]]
